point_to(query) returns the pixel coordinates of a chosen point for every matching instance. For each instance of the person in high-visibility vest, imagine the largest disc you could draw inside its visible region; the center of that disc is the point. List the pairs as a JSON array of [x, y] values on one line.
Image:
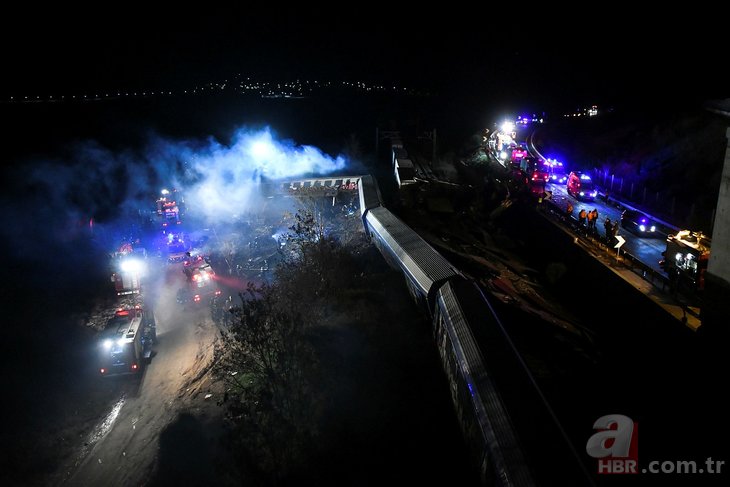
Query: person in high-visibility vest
[[594, 219]]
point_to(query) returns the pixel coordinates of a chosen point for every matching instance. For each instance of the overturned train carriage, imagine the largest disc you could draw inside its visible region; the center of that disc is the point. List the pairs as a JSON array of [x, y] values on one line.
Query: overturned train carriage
[[483, 416], [473, 346], [424, 268]]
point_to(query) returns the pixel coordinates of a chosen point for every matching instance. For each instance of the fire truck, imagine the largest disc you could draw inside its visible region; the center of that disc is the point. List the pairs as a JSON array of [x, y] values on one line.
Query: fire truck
[[128, 269], [168, 208], [177, 247], [685, 259], [202, 284], [125, 344]]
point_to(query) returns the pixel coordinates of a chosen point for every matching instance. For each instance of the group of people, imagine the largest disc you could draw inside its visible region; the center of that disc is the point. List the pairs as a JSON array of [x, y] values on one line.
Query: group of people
[[587, 221]]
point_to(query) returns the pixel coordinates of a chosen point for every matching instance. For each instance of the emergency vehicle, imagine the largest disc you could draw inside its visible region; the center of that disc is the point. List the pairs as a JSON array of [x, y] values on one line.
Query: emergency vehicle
[[685, 259], [177, 247], [129, 267], [125, 344], [580, 186], [202, 284], [556, 169], [168, 208], [518, 153]]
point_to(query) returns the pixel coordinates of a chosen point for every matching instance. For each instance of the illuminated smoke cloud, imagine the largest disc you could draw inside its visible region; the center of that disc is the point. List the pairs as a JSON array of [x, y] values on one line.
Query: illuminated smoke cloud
[[230, 176], [54, 199]]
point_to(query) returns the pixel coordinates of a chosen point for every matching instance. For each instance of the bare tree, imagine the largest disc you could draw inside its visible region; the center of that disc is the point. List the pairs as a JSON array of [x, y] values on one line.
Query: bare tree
[[268, 364]]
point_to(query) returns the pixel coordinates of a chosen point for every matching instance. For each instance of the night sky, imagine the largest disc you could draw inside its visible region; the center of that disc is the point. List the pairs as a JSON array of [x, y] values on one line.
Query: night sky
[[507, 57]]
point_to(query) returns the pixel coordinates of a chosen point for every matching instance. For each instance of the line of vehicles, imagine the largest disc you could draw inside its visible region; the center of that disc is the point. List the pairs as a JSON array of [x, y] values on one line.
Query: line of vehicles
[[125, 344], [687, 252]]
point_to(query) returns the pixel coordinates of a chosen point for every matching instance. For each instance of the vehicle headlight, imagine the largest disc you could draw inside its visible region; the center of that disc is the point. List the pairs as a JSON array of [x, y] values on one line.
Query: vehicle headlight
[[582, 193], [652, 229], [107, 344], [642, 228], [132, 266]]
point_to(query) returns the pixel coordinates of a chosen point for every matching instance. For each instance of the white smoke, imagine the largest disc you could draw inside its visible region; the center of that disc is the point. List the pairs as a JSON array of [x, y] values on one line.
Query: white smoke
[[229, 177], [55, 200]]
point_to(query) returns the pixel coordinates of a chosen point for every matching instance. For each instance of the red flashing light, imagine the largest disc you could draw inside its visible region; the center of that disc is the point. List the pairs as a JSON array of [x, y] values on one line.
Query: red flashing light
[[102, 370], [217, 293], [134, 366], [196, 298]]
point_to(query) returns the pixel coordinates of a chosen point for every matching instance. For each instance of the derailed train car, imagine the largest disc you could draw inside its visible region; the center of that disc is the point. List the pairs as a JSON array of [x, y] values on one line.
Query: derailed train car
[[514, 437]]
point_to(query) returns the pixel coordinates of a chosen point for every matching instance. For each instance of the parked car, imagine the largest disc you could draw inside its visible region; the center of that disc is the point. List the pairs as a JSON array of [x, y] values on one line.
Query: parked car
[[638, 223]]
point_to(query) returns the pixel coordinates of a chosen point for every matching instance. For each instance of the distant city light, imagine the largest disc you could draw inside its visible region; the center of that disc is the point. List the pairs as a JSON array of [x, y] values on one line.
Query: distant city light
[[273, 89]]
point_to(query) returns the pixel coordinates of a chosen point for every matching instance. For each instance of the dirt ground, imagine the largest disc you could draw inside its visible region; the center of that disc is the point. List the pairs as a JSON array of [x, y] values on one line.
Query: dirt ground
[[124, 447]]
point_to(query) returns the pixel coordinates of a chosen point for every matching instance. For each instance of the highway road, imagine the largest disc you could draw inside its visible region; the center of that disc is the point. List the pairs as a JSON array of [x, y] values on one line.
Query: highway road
[[648, 249]]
